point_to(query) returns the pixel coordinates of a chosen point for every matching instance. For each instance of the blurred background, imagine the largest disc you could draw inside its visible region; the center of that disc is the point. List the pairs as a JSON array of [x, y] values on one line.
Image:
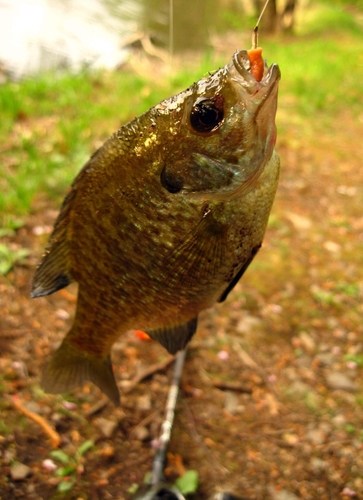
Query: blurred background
[[272, 404], [38, 35]]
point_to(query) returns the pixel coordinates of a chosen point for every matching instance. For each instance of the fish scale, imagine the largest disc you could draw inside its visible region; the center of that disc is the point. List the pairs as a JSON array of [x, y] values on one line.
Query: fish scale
[[163, 220]]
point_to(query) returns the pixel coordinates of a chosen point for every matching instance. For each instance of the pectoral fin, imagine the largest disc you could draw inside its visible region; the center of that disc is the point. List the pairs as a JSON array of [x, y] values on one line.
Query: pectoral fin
[[175, 338], [197, 259], [70, 367], [198, 174]]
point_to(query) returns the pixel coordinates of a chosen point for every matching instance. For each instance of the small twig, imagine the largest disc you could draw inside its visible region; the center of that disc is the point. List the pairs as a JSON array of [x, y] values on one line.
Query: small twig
[[212, 459], [251, 363], [232, 386], [158, 367], [146, 44], [332, 444], [277, 432], [151, 50], [272, 432], [47, 428], [132, 39], [96, 408], [145, 421], [70, 297]]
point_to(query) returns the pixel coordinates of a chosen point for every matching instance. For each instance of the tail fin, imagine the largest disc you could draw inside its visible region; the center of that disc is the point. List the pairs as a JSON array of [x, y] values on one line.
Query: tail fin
[[71, 367]]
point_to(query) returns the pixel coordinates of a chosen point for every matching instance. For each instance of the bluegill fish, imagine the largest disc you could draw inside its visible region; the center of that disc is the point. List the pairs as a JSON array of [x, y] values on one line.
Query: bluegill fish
[[163, 220]]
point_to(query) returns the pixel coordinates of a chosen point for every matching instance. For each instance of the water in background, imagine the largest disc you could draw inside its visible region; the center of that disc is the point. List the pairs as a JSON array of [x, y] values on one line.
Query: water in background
[[42, 35]]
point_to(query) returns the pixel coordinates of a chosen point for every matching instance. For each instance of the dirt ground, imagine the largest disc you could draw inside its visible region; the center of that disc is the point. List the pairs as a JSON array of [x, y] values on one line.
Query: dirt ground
[[272, 402]]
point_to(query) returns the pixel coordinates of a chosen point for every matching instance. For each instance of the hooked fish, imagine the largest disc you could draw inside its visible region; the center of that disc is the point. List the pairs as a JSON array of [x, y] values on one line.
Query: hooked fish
[[164, 219]]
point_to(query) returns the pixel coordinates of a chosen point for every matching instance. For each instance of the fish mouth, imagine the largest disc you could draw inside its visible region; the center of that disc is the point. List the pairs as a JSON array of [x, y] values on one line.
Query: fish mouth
[[270, 78]]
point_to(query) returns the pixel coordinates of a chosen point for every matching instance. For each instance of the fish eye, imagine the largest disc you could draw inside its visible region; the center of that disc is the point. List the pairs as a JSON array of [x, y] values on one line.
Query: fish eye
[[207, 114]]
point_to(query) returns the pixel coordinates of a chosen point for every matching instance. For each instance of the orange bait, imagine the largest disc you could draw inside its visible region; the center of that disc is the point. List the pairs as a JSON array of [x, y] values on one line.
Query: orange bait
[[256, 62], [255, 54]]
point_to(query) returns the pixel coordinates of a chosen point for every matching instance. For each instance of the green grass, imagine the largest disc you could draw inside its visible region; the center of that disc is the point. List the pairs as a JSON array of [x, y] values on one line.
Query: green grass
[[320, 75], [50, 125], [322, 65], [334, 16]]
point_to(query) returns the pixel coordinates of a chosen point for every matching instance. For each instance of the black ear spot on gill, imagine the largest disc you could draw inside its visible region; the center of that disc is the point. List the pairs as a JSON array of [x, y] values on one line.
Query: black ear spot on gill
[[170, 182], [207, 114]]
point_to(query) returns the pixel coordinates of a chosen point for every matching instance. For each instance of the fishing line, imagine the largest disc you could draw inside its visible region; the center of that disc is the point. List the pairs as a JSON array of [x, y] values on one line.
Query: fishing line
[[171, 30], [255, 29]]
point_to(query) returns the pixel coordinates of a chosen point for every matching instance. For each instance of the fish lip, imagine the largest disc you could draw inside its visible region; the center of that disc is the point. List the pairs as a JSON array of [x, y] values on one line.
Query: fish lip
[[271, 75]]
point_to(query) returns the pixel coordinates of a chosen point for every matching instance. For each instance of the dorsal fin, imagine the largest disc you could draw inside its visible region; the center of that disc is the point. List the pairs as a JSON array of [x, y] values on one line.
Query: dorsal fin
[[54, 271], [52, 274]]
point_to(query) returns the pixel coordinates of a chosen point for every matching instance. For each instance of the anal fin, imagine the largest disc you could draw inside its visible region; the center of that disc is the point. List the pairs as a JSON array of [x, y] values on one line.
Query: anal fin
[[174, 338], [70, 367]]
